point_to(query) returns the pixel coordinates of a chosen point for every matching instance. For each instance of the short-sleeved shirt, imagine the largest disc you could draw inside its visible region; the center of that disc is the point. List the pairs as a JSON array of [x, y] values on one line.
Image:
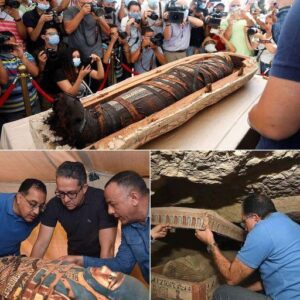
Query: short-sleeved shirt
[[14, 229], [87, 36], [238, 36], [180, 37], [286, 65], [82, 224], [273, 247]]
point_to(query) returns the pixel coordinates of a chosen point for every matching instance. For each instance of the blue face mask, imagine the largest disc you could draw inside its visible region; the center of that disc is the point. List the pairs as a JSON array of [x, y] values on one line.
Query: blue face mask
[[53, 39], [76, 61], [43, 6], [134, 15]]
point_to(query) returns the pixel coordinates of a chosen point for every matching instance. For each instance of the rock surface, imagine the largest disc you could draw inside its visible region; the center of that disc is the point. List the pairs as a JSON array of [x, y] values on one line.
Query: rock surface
[[221, 180]]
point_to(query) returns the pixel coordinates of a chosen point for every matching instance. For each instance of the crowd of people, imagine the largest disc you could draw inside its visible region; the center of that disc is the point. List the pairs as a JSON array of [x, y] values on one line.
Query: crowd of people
[[77, 47]]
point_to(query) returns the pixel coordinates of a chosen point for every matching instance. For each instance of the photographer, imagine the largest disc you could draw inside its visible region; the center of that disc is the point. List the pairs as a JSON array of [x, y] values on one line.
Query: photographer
[[76, 74], [234, 25], [131, 24], [145, 55], [84, 23], [50, 58], [152, 11], [10, 19], [118, 46], [177, 30], [12, 55]]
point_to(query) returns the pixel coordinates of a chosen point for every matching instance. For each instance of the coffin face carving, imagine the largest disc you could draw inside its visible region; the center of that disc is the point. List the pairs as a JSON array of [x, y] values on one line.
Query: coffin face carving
[[79, 127], [29, 278]]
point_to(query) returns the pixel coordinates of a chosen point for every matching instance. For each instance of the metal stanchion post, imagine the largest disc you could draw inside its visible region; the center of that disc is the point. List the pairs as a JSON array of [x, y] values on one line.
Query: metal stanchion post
[[112, 75], [23, 75]]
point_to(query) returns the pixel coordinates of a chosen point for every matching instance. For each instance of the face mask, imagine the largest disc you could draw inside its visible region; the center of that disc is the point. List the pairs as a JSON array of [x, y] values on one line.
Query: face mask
[[43, 6], [109, 10], [134, 15], [202, 5], [76, 61], [153, 4], [210, 48], [53, 39]]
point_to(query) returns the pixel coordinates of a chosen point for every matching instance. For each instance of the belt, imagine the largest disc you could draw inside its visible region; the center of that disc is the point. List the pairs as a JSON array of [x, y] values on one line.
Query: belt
[[178, 51]]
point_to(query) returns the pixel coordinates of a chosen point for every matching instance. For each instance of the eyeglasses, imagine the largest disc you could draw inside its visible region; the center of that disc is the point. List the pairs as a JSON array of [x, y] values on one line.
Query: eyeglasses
[[71, 195], [243, 223], [33, 205]]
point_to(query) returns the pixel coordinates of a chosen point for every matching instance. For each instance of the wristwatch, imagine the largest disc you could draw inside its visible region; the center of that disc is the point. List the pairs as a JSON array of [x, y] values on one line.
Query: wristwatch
[[211, 246]]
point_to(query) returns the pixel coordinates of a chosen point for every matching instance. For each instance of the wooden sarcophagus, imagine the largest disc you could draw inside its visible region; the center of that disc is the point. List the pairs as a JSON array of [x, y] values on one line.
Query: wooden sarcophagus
[[29, 278], [194, 276], [133, 112]]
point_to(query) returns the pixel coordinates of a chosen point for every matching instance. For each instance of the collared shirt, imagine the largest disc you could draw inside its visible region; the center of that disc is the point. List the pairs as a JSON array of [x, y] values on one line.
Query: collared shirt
[[134, 249], [180, 37], [14, 229]]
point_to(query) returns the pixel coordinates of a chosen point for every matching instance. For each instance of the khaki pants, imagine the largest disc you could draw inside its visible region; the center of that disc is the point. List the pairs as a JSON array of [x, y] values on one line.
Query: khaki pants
[[172, 56]]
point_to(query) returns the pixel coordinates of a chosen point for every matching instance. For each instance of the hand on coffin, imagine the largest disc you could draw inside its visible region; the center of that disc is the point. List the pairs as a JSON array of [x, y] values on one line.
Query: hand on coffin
[[75, 259], [159, 231], [206, 236]]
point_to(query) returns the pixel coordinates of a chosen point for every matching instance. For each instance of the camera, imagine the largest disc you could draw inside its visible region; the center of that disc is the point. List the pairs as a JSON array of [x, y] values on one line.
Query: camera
[[137, 20], [153, 16], [97, 10], [87, 62], [51, 53], [157, 40], [5, 48], [12, 3], [214, 19], [252, 31], [122, 34], [54, 14], [176, 13]]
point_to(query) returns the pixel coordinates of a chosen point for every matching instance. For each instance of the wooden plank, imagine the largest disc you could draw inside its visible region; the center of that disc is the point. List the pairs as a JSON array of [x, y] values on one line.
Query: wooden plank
[[193, 218]]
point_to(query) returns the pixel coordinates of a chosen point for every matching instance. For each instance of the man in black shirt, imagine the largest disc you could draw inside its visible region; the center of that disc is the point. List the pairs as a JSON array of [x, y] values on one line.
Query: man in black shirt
[[82, 212]]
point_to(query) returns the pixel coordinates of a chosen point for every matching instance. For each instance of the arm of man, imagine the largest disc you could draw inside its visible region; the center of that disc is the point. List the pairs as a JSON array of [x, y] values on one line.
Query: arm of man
[[195, 22], [72, 22], [160, 55], [35, 32], [103, 25], [41, 244], [276, 115], [107, 238]]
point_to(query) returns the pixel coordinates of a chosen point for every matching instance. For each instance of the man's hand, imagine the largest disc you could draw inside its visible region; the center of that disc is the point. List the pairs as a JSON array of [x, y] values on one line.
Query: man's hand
[[45, 18], [131, 21], [14, 13], [85, 9], [114, 37], [166, 16], [159, 231], [74, 259], [206, 236], [42, 57]]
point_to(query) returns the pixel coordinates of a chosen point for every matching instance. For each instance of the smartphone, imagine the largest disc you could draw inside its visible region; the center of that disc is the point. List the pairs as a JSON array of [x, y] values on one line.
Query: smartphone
[[215, 31]]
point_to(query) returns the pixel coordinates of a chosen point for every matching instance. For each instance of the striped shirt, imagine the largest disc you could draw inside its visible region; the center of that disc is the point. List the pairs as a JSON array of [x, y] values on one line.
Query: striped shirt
[[15, 101]]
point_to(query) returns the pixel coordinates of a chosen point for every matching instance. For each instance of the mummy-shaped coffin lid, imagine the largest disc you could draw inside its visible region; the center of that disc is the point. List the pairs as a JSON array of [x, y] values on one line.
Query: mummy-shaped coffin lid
[[193, 218]]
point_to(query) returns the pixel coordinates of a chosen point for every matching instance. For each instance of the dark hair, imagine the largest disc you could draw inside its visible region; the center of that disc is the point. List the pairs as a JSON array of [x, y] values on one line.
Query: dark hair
[[49, 26], [146, 29], [7, 33], [67, 64], [113, 26], [258, 204], [129, 179], [133, 3], [71, 169], [32, 183]]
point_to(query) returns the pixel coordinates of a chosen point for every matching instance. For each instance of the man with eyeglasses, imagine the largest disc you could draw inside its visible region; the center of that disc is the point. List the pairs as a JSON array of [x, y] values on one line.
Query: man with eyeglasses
[[19, 214], [272, 246], [127, 197], [82, 212]]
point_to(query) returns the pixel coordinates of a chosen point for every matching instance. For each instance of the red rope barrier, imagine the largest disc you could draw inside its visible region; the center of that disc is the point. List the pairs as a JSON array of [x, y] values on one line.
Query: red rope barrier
[[104, 79], [7, 93], [42, 92], [128, 69]]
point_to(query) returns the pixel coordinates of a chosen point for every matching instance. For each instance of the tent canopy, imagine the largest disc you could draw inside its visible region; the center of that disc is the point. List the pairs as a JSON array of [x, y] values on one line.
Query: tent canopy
[[19, 165]]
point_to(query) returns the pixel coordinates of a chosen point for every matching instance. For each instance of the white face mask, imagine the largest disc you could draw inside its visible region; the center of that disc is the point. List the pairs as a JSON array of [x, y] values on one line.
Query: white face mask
[[153, 4], [76, 61], [43, 6], [210, 48]]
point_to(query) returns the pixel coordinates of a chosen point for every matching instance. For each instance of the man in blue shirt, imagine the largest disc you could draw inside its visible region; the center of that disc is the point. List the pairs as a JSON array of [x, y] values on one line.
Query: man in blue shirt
[[272, 246], [276, 115], [19, 214], [127, 197]]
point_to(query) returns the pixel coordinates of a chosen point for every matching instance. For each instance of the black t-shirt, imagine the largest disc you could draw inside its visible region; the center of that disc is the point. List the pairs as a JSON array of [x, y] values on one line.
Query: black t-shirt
[[81, 224], [197, 36]]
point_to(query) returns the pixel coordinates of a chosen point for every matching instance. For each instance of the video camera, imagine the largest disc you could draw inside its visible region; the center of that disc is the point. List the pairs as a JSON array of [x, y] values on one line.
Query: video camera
[[5, 48], [176, 12], [55, 21], [158, 39], [122, 34], [153, 16], [12, 3], [252, 30]]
